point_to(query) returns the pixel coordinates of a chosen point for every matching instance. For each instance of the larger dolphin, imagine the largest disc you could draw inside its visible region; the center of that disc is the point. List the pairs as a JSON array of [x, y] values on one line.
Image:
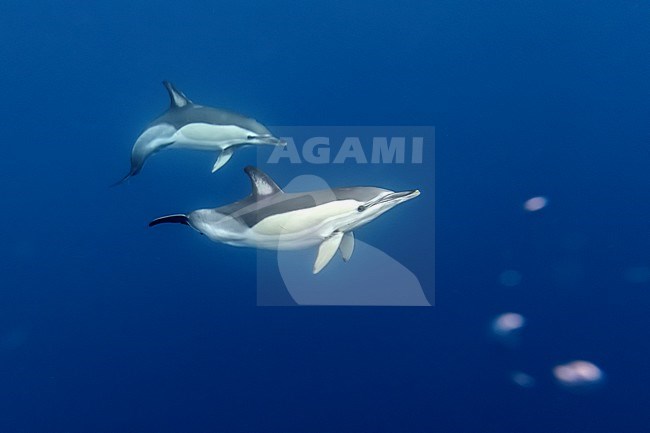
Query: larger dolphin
[[272, 219], [186, 125]]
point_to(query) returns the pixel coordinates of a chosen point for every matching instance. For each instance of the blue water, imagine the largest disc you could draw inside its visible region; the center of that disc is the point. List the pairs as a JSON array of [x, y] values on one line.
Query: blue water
[[108, 326]]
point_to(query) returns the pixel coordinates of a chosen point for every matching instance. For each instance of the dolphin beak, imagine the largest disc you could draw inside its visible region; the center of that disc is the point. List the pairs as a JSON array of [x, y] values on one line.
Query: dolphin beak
[[393, 198], [267, 139], [279, 142], [402, 195], [399, 197]]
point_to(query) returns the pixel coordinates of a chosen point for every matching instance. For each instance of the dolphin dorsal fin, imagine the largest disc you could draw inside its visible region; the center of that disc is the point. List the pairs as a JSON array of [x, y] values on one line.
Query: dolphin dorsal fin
[[261, 183], [177, 99]]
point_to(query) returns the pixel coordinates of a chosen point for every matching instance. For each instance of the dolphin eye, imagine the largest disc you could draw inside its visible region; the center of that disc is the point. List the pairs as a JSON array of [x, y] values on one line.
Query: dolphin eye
[[361, 208], [250, 137]]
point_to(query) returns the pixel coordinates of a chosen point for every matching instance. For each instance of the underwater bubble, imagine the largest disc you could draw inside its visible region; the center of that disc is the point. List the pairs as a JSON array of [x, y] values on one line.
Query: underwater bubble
[[522, 379], [507, 323], [536, 203], [637, 274], [510, 278], [506, 329], [578, 374]]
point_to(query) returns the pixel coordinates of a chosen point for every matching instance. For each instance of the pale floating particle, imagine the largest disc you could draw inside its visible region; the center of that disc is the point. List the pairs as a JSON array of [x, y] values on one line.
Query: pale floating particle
[[507, 323], [536, 203], [510, 278], [578, 374], [522, 379], [637, 274], [506, 329]]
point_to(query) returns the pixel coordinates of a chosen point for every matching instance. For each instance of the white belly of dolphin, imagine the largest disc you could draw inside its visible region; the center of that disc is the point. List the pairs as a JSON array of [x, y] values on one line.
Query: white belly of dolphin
[[204, 136], [302, 228], [255, 240], [305, 220]]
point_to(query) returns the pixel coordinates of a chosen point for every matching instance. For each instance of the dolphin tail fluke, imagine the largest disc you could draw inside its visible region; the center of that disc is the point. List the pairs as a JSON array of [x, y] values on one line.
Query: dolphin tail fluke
[[125, 178], [176, 219]]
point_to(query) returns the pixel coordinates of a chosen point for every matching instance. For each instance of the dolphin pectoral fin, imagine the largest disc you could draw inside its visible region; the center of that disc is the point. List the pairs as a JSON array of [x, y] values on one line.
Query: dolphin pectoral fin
[[347, 246], [223, 158], [326, 251]]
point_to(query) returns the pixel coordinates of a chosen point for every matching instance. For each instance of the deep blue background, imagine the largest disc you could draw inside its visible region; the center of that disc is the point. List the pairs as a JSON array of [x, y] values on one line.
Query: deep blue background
[[108, 327]]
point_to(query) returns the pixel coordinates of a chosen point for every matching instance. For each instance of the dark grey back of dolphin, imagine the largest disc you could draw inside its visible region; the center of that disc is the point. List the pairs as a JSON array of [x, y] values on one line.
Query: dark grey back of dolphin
[[250, 211], [183, 111]]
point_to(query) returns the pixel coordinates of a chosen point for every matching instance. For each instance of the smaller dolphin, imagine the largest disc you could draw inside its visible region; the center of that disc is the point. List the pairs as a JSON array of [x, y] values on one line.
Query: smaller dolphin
[[186, 125], [272, 219]]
